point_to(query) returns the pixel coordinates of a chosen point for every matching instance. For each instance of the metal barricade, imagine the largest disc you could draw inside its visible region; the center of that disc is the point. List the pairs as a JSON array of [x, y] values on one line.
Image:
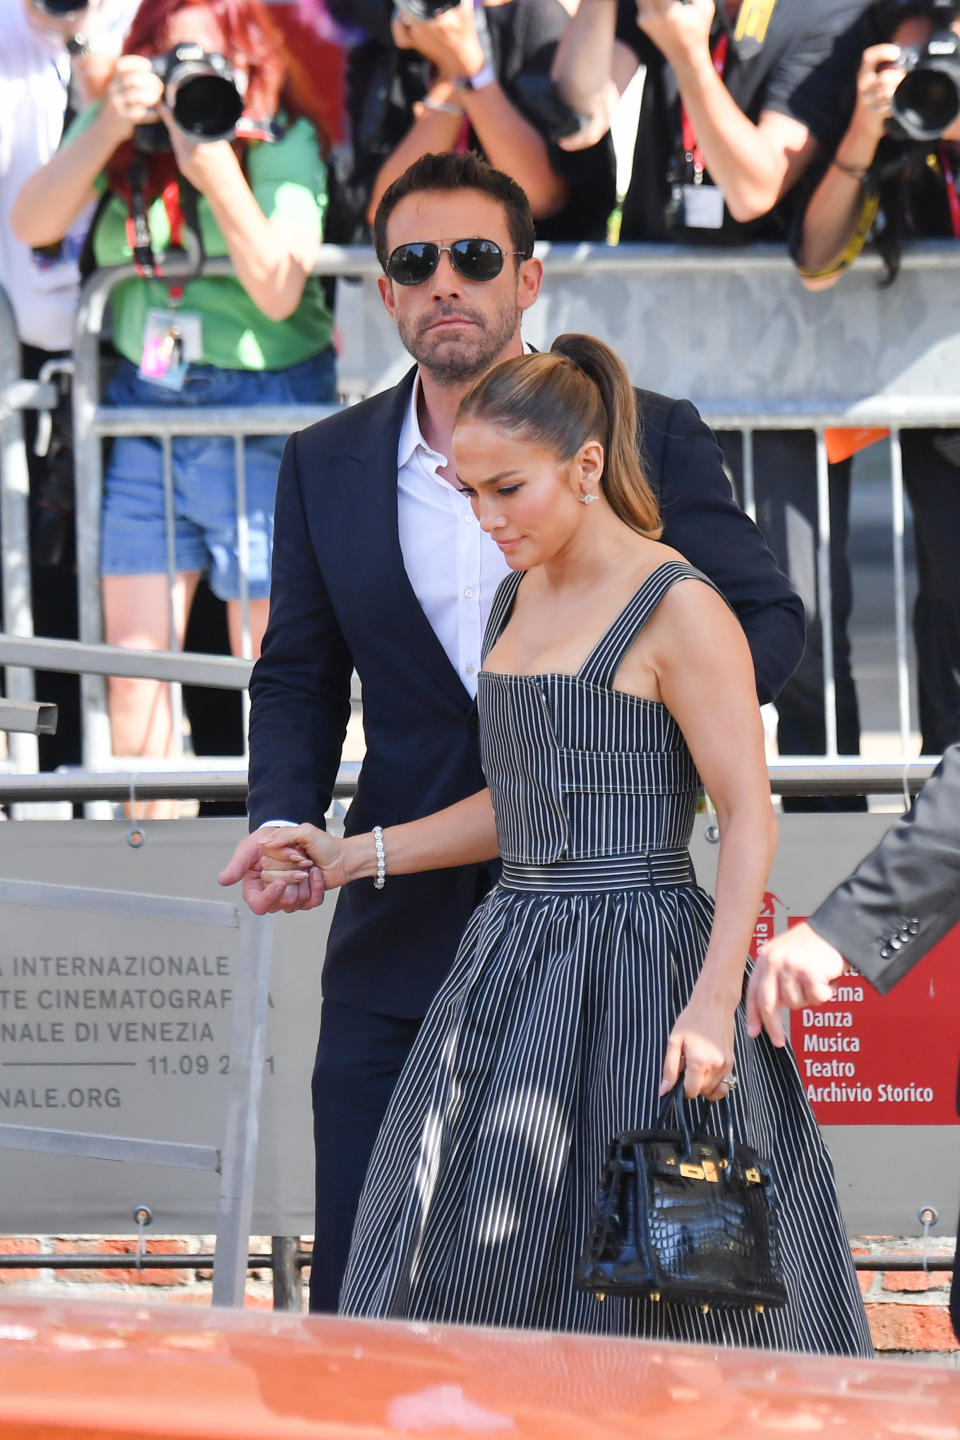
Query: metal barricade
[[234, 1159], [16, 394], [733, 330]]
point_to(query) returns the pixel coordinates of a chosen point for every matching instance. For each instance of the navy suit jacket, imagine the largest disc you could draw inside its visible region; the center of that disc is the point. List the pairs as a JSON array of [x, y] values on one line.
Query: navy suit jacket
[[341, 600]]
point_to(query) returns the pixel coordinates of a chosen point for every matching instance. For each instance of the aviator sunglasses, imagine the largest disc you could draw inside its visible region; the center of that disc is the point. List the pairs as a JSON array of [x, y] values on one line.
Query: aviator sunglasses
[[473, 259]]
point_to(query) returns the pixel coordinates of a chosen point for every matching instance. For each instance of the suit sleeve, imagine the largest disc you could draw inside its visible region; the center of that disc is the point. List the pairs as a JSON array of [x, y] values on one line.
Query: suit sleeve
[[905, 895], [704, 522], [300, 687]]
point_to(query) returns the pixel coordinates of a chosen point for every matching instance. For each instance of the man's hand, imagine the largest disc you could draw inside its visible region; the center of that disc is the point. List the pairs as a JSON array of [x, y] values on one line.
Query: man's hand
[[681, 32], [246, 866], [450, 41], [796, 969], [304, 849]]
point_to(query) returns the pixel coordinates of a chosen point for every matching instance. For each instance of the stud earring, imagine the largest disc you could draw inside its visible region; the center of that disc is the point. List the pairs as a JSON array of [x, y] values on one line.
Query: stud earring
[[588, 499]]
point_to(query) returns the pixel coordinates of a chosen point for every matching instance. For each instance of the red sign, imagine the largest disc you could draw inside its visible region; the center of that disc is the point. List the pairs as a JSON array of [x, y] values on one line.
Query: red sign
[[765, 927], [872, 1059]]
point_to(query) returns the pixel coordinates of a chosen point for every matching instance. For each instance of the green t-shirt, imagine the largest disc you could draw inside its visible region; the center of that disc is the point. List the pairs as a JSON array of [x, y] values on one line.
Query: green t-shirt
[[288, 180]]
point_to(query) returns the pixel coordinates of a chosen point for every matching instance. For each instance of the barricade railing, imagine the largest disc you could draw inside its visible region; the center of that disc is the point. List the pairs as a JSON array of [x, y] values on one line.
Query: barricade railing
[[733, 330], [16, 394], [234, 1159]]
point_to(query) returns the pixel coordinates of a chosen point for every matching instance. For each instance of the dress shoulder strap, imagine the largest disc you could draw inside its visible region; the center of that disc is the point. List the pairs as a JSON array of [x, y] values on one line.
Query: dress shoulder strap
[[601, 666], [500, 611]]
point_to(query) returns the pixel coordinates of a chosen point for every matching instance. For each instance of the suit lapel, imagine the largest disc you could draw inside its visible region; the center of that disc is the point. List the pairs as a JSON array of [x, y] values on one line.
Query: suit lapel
[[370, 471]]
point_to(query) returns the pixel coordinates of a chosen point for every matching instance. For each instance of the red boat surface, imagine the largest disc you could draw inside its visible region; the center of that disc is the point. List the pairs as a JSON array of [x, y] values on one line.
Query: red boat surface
[[94, 1371]]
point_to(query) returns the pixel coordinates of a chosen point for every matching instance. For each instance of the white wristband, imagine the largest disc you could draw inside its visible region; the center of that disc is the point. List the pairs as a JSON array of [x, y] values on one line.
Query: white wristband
[[485, 76]]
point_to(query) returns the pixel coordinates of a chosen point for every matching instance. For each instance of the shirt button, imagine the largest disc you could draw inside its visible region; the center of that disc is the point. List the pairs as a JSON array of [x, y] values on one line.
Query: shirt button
[[468, 593], [468, 519], [470, 669]]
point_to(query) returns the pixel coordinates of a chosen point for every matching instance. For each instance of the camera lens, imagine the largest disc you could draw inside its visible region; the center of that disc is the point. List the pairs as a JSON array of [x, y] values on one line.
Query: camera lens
[[206, 106], [926, 102]]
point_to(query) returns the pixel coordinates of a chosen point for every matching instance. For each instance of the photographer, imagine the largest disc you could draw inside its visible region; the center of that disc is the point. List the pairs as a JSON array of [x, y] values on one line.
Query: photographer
[[490, 89], [733, 111], [895, 174], [262, 338], [53, 55]]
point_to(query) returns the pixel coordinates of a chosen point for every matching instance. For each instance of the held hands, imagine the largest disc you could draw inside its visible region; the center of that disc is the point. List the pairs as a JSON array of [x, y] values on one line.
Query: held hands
[[302, 890], [290, 854], [450, 41], [793, 970], [680, 31], [701, 1046]]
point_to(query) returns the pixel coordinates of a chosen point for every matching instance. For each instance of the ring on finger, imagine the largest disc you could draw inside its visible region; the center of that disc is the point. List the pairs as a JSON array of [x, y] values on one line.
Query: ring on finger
[[730, 1081]]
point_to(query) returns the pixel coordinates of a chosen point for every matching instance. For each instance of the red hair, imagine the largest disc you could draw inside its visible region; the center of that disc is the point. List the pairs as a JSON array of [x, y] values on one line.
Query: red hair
[[275, 79]]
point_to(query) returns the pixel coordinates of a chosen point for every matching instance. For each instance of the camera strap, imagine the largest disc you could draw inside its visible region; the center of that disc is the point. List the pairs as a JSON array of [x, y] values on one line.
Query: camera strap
[[180, 202], [950, 183]]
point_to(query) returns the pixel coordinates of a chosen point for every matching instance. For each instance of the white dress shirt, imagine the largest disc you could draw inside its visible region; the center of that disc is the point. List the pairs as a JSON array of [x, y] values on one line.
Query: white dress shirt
[[453, 566]]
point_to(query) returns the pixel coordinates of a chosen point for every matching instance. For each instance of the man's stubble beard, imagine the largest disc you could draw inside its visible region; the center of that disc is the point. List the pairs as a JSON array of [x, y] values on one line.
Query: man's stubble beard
[[460, 362]]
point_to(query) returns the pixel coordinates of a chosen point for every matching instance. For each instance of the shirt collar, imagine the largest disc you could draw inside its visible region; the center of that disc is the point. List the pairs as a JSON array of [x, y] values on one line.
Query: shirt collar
[[411, 436]]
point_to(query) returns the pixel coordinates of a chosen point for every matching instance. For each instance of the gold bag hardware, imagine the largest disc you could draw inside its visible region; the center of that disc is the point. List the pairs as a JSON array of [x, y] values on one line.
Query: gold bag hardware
[[706, 1171], [753, 1176]]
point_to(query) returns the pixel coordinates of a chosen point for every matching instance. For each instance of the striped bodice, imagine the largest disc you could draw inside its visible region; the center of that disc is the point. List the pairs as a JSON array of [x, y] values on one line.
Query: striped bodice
[[578, 770]]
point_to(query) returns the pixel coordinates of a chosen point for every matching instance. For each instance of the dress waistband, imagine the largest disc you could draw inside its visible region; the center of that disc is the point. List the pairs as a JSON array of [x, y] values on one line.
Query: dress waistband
[[653, 870]]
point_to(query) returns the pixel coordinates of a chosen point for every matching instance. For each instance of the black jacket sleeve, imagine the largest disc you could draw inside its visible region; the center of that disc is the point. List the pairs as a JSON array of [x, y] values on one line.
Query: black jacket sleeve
[[300, 688], [704, 522], [905, 895]]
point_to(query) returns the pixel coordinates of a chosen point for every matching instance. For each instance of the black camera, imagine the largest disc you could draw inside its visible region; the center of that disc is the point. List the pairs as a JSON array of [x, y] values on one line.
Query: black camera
[[426, 9], [203, 92], [927, 100]]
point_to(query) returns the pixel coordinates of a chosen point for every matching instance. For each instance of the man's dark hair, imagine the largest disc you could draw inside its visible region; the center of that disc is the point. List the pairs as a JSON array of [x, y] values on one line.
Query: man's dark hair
[[451, 171]]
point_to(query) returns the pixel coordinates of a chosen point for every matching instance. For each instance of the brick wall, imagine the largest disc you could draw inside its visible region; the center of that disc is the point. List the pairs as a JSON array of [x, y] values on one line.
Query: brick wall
[[907, 1310], [186, 1286]]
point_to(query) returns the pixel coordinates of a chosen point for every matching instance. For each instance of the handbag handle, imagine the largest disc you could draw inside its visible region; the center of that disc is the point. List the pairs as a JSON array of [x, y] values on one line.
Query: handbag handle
[[674, 1103]]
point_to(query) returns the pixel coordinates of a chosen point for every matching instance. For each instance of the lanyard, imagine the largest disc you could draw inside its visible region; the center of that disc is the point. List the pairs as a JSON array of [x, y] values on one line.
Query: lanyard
[[953, 198], [691, 149]]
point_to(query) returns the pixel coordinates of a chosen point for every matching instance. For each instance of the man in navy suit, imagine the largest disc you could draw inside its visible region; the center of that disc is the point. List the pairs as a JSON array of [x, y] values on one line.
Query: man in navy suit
[[883, 919], [379, 567]]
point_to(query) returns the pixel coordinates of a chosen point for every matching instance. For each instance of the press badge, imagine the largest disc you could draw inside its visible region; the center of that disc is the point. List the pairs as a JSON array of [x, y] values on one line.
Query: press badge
[[171, 340], [703, 207]]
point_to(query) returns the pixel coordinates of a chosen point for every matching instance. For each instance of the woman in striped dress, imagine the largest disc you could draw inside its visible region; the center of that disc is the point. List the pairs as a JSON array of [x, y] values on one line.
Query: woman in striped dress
[[614, 678]]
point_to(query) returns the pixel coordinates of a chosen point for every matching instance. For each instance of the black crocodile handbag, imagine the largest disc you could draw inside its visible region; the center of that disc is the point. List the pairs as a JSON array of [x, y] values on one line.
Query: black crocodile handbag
[[690, 1219]]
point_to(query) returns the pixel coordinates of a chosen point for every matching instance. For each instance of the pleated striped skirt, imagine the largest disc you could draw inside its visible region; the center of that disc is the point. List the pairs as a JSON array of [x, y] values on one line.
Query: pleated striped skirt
[[546, 1039]]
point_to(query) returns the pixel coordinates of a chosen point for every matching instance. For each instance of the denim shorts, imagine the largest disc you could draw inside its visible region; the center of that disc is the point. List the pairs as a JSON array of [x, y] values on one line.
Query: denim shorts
[[134, 536]]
